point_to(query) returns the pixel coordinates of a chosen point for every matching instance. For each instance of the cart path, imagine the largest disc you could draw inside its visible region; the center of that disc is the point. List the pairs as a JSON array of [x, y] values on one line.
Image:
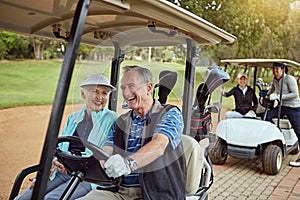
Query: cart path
[[22, 134], [244, 179]]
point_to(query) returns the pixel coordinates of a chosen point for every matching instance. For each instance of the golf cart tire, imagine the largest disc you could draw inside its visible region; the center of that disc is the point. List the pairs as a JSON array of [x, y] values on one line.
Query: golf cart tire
[[272, 159], [218, 154]]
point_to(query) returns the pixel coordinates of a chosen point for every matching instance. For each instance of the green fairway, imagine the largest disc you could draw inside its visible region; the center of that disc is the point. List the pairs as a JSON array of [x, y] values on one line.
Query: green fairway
[[32, 82], [27, 82]]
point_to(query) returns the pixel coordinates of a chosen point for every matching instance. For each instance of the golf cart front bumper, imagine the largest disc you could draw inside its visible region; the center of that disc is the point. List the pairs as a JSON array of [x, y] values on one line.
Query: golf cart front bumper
[[241, 152]]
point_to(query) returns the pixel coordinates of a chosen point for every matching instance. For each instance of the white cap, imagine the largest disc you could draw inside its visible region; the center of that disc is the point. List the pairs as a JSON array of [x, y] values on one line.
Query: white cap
[[240, 75], [97, 79]]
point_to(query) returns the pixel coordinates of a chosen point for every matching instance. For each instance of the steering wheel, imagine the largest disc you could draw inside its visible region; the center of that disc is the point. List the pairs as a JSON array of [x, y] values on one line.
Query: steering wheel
[[88, 165]]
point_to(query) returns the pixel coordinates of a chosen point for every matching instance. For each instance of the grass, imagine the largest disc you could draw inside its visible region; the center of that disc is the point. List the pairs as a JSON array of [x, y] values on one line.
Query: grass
[[32, 82], [27, 82]]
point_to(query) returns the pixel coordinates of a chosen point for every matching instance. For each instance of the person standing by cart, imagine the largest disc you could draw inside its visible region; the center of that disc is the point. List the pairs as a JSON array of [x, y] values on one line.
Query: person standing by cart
[[290, 100]]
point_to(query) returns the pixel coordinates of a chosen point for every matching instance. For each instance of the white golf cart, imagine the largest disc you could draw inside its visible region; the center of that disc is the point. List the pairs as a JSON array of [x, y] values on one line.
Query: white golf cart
[[250, 138], [121, 25]]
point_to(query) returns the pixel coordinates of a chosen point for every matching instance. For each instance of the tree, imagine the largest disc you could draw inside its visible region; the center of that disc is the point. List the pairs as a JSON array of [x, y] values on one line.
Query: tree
[[84, 51], [14, 46], [248, 20], [7, 42], [38, 46], [293, 42]]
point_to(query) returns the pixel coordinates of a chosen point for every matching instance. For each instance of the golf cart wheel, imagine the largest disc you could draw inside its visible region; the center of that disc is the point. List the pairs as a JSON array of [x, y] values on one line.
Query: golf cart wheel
[[218, 154], [272, 159]]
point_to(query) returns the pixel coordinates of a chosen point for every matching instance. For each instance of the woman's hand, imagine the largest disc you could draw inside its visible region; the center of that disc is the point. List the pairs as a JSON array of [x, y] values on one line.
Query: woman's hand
[[57, 165], [32, 182]]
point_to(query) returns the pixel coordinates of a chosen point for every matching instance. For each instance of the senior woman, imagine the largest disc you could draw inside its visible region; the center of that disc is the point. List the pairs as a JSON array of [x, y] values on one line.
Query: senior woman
[[93, 122]]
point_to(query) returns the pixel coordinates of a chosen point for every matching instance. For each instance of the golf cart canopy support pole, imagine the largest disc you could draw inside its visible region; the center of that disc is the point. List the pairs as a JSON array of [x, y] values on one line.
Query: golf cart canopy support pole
[[115, 74], [221, 96], [60, 99], [280, 96], [254, 78], [188, 85]]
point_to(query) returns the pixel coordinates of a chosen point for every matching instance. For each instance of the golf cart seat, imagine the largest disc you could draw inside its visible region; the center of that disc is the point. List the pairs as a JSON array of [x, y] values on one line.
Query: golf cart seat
[[196, 184], [192, 150], [195, 162], [166, 83], [283, 123]]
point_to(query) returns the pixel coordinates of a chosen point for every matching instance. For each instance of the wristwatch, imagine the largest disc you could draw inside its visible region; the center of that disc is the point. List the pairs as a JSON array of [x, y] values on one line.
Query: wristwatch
[[133, 165]]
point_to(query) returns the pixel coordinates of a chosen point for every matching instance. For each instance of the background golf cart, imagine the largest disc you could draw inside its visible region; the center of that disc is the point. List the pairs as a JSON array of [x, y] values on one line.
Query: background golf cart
[[249, 138], [117, 24]]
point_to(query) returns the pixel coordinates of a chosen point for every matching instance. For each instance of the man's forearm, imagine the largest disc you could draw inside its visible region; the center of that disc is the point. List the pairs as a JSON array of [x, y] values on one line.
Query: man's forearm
[[151, 151], [108, 149]]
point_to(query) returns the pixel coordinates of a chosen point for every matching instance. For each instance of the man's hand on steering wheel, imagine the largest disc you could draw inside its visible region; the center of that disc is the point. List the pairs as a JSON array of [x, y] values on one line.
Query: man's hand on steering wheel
[[117, 166]]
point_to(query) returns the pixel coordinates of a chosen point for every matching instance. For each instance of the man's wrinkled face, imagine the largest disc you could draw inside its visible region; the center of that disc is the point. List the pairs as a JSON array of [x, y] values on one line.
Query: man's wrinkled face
[[277, 71], [95, 96], [135, 93]]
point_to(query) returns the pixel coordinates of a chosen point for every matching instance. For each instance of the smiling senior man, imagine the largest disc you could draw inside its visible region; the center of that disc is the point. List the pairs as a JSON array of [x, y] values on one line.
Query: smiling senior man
[[146, 145]]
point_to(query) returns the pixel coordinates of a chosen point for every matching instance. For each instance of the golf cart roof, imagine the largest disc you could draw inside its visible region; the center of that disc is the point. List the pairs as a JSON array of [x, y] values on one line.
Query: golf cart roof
[[254, 62], [107, 18]]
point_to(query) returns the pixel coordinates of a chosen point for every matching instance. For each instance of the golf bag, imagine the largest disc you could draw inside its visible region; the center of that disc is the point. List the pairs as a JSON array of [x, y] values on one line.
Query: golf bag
[[201, 115], [201, 119]]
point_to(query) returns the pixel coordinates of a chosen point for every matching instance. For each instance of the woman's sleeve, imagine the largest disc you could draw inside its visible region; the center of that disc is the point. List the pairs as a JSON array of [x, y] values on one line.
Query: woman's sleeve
[[230, 93]]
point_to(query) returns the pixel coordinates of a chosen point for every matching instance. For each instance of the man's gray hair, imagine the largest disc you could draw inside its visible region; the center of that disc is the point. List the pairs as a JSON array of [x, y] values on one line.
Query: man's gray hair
[[145, 74]]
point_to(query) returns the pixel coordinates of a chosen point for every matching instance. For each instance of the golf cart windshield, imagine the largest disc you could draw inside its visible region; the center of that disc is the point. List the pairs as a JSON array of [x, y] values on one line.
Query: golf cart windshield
[[118, 24]]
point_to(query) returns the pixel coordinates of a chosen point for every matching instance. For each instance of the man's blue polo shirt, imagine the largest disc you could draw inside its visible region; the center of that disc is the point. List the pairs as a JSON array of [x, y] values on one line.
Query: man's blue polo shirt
[[170, 125]]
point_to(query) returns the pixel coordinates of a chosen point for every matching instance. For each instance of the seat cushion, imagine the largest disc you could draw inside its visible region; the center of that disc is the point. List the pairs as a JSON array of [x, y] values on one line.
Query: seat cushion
[[194, 161], [283, 123]]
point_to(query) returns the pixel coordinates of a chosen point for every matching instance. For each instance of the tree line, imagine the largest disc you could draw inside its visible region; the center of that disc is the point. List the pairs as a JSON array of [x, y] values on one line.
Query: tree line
[[264, 28], [15, 46]]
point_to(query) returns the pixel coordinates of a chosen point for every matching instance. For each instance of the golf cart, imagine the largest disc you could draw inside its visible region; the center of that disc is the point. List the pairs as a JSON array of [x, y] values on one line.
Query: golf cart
[[117, 24], [249, 138]]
